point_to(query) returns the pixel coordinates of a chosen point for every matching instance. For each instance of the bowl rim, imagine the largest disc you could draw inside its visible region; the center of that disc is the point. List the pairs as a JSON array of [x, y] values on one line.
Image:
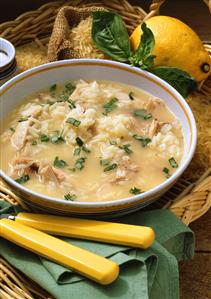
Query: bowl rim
[[113, 64]]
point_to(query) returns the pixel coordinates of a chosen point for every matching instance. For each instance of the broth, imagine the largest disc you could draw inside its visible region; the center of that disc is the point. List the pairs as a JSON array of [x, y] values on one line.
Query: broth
[[91, 141]]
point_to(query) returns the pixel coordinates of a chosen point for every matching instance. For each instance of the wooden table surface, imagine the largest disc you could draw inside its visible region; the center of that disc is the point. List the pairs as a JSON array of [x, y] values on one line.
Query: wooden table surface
[[195, 275]]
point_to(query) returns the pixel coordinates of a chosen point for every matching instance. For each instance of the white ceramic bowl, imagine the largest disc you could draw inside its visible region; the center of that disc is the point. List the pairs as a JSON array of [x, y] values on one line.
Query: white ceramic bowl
[[90, 69]]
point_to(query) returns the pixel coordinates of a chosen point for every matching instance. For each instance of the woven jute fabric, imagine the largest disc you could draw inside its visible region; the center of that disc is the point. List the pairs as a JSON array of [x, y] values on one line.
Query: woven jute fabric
[[60, 46]]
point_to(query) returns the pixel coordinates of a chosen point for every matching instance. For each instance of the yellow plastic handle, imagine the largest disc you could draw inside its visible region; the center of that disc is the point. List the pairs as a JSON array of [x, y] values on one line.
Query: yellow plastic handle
[[108, 232], [93, 266]]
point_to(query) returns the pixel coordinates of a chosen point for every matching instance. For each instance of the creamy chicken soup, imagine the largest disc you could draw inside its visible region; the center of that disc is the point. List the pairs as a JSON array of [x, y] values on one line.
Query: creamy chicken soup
[[91, 141]]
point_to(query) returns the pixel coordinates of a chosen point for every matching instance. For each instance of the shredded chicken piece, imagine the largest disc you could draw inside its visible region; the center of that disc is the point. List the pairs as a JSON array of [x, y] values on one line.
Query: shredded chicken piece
[[32, 110], [18, 139], [153, 103], [125, 170], [24, 165], [48, 173], [138, 127], [155, 127]]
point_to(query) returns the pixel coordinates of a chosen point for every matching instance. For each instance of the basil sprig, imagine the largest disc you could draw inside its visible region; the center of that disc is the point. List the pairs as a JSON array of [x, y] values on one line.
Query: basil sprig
[[110, 36], [142, 57]]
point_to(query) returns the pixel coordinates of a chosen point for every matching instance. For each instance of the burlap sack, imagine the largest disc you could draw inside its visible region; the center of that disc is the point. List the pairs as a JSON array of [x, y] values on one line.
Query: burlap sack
[[60, 46]]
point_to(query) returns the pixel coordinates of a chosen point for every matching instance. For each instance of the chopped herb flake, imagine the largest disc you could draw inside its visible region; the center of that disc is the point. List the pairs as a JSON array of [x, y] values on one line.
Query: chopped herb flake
[[70, 197], [63, 97], [59, 163], [12, 130], [23, 179], [113, 142], [167, 172], [79, 163], [53, 88], [104, 162], [110, 106], [173, 162], [77, 151], [44, 138], [126, 148], [57, 139], [142, 113], [135, 191], [86, 150], [110, 167], [50, 103], [73, 121], [69, 88], [34, 142], [131, 95], [79, 141], [144, 140], [72, 104], [24, 118]]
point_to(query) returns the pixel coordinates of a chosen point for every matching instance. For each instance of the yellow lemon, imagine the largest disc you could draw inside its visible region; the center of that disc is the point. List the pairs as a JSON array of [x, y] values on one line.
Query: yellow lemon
[[176, 45]]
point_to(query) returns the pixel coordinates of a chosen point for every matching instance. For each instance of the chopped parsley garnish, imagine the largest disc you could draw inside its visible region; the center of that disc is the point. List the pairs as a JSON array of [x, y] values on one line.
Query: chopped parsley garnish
[[44, 138], [86, 150], [104, 162], [77, 151], [73, 121], [12, 130], [79, 163], [144, 140], [110, 106], [53, 89], [173, 162], [69, 88], [70, 197], [23, 179], [135, 191], [126, 148], [50, 103], [131, 95], [110, 167], [57, 139], [79, 141], [167, 172], [72, 104], [113, 142], [142, 113], [34, 142], [59, 163], [24, 118], [63, 97]]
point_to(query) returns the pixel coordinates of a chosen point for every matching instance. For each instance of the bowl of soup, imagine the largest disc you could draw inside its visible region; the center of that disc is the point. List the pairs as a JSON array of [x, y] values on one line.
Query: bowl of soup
[[93, 137]]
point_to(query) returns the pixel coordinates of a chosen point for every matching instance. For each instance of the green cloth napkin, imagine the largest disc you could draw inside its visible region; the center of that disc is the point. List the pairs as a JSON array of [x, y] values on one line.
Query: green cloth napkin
[[144, 274]]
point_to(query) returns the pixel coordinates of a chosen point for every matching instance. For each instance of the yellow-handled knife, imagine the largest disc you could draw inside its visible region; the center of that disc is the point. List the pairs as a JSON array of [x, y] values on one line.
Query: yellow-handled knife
[[108, 232]]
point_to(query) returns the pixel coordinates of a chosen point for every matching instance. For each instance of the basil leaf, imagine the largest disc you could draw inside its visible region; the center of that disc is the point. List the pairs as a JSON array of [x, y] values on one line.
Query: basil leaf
[[142, 57], [177, 78], [110, 35], [147, 42]]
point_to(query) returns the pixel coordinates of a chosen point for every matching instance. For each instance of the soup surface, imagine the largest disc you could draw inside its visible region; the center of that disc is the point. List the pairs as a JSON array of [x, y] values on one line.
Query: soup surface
[[91, 141]]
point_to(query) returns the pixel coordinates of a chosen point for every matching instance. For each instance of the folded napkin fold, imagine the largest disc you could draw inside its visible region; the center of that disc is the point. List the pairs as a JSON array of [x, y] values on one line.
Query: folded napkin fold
[[144, 274]]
